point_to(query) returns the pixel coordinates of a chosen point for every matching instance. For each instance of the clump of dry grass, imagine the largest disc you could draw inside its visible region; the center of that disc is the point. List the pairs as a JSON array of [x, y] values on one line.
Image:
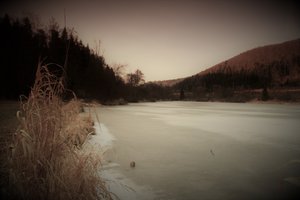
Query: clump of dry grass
[[46, 161]]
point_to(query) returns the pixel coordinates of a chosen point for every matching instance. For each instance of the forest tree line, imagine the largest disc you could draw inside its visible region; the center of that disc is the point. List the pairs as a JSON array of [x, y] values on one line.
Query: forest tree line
[[223, 82], [87, 73]]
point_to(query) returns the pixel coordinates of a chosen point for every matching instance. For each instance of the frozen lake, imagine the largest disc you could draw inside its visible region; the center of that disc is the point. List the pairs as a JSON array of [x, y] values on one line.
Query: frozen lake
[[196, 150]]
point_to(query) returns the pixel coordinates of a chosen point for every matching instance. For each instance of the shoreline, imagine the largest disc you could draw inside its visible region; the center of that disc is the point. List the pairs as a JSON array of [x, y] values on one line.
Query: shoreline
[[117, 183], [253, 101]]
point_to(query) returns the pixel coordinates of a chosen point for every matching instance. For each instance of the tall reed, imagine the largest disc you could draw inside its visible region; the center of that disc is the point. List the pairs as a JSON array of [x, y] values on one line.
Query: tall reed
[[46, 161]]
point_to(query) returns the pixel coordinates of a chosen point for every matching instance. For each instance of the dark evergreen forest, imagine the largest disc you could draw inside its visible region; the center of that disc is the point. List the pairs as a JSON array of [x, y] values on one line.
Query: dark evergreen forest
[[22, 47]]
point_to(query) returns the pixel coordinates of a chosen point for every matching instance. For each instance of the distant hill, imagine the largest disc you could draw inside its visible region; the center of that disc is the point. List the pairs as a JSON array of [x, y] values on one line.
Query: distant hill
[[283, 53], [278, 62], [272, 66]]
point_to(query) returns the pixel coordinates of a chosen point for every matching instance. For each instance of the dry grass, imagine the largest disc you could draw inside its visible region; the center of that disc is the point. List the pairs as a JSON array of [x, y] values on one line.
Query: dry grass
[[46, 160]]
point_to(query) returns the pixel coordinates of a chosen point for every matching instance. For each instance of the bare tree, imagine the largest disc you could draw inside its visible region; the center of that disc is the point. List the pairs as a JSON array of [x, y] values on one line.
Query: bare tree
[[135, 78], [119, 70], [97, 49]]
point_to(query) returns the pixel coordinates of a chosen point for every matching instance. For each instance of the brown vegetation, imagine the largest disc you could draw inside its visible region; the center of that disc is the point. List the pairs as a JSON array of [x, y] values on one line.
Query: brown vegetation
[[46, 159]]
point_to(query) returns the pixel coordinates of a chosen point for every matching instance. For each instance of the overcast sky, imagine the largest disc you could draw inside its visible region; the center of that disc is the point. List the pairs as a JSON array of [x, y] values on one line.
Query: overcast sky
[[169, 39]]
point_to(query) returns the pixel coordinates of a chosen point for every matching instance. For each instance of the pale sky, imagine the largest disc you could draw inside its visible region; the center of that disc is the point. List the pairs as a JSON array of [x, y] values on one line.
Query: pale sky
[[169, 39]]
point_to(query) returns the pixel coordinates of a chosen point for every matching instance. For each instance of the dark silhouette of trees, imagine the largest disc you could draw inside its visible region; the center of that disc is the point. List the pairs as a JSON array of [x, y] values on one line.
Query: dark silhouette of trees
[[18, 57], [182, 96], [87, 74], [153, 92], [265, 94]]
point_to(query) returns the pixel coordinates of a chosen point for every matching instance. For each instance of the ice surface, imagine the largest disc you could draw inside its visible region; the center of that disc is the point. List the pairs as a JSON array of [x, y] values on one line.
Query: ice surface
[[117, 183], [255, 148]]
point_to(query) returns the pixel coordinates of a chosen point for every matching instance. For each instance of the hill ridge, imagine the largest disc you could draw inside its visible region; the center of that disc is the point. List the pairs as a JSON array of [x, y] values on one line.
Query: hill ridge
[[249, 60], [263, 55]]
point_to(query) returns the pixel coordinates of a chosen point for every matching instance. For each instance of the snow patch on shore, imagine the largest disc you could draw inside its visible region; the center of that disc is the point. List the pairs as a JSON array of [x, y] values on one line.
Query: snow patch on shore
[[103, 138], [122, 187]]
